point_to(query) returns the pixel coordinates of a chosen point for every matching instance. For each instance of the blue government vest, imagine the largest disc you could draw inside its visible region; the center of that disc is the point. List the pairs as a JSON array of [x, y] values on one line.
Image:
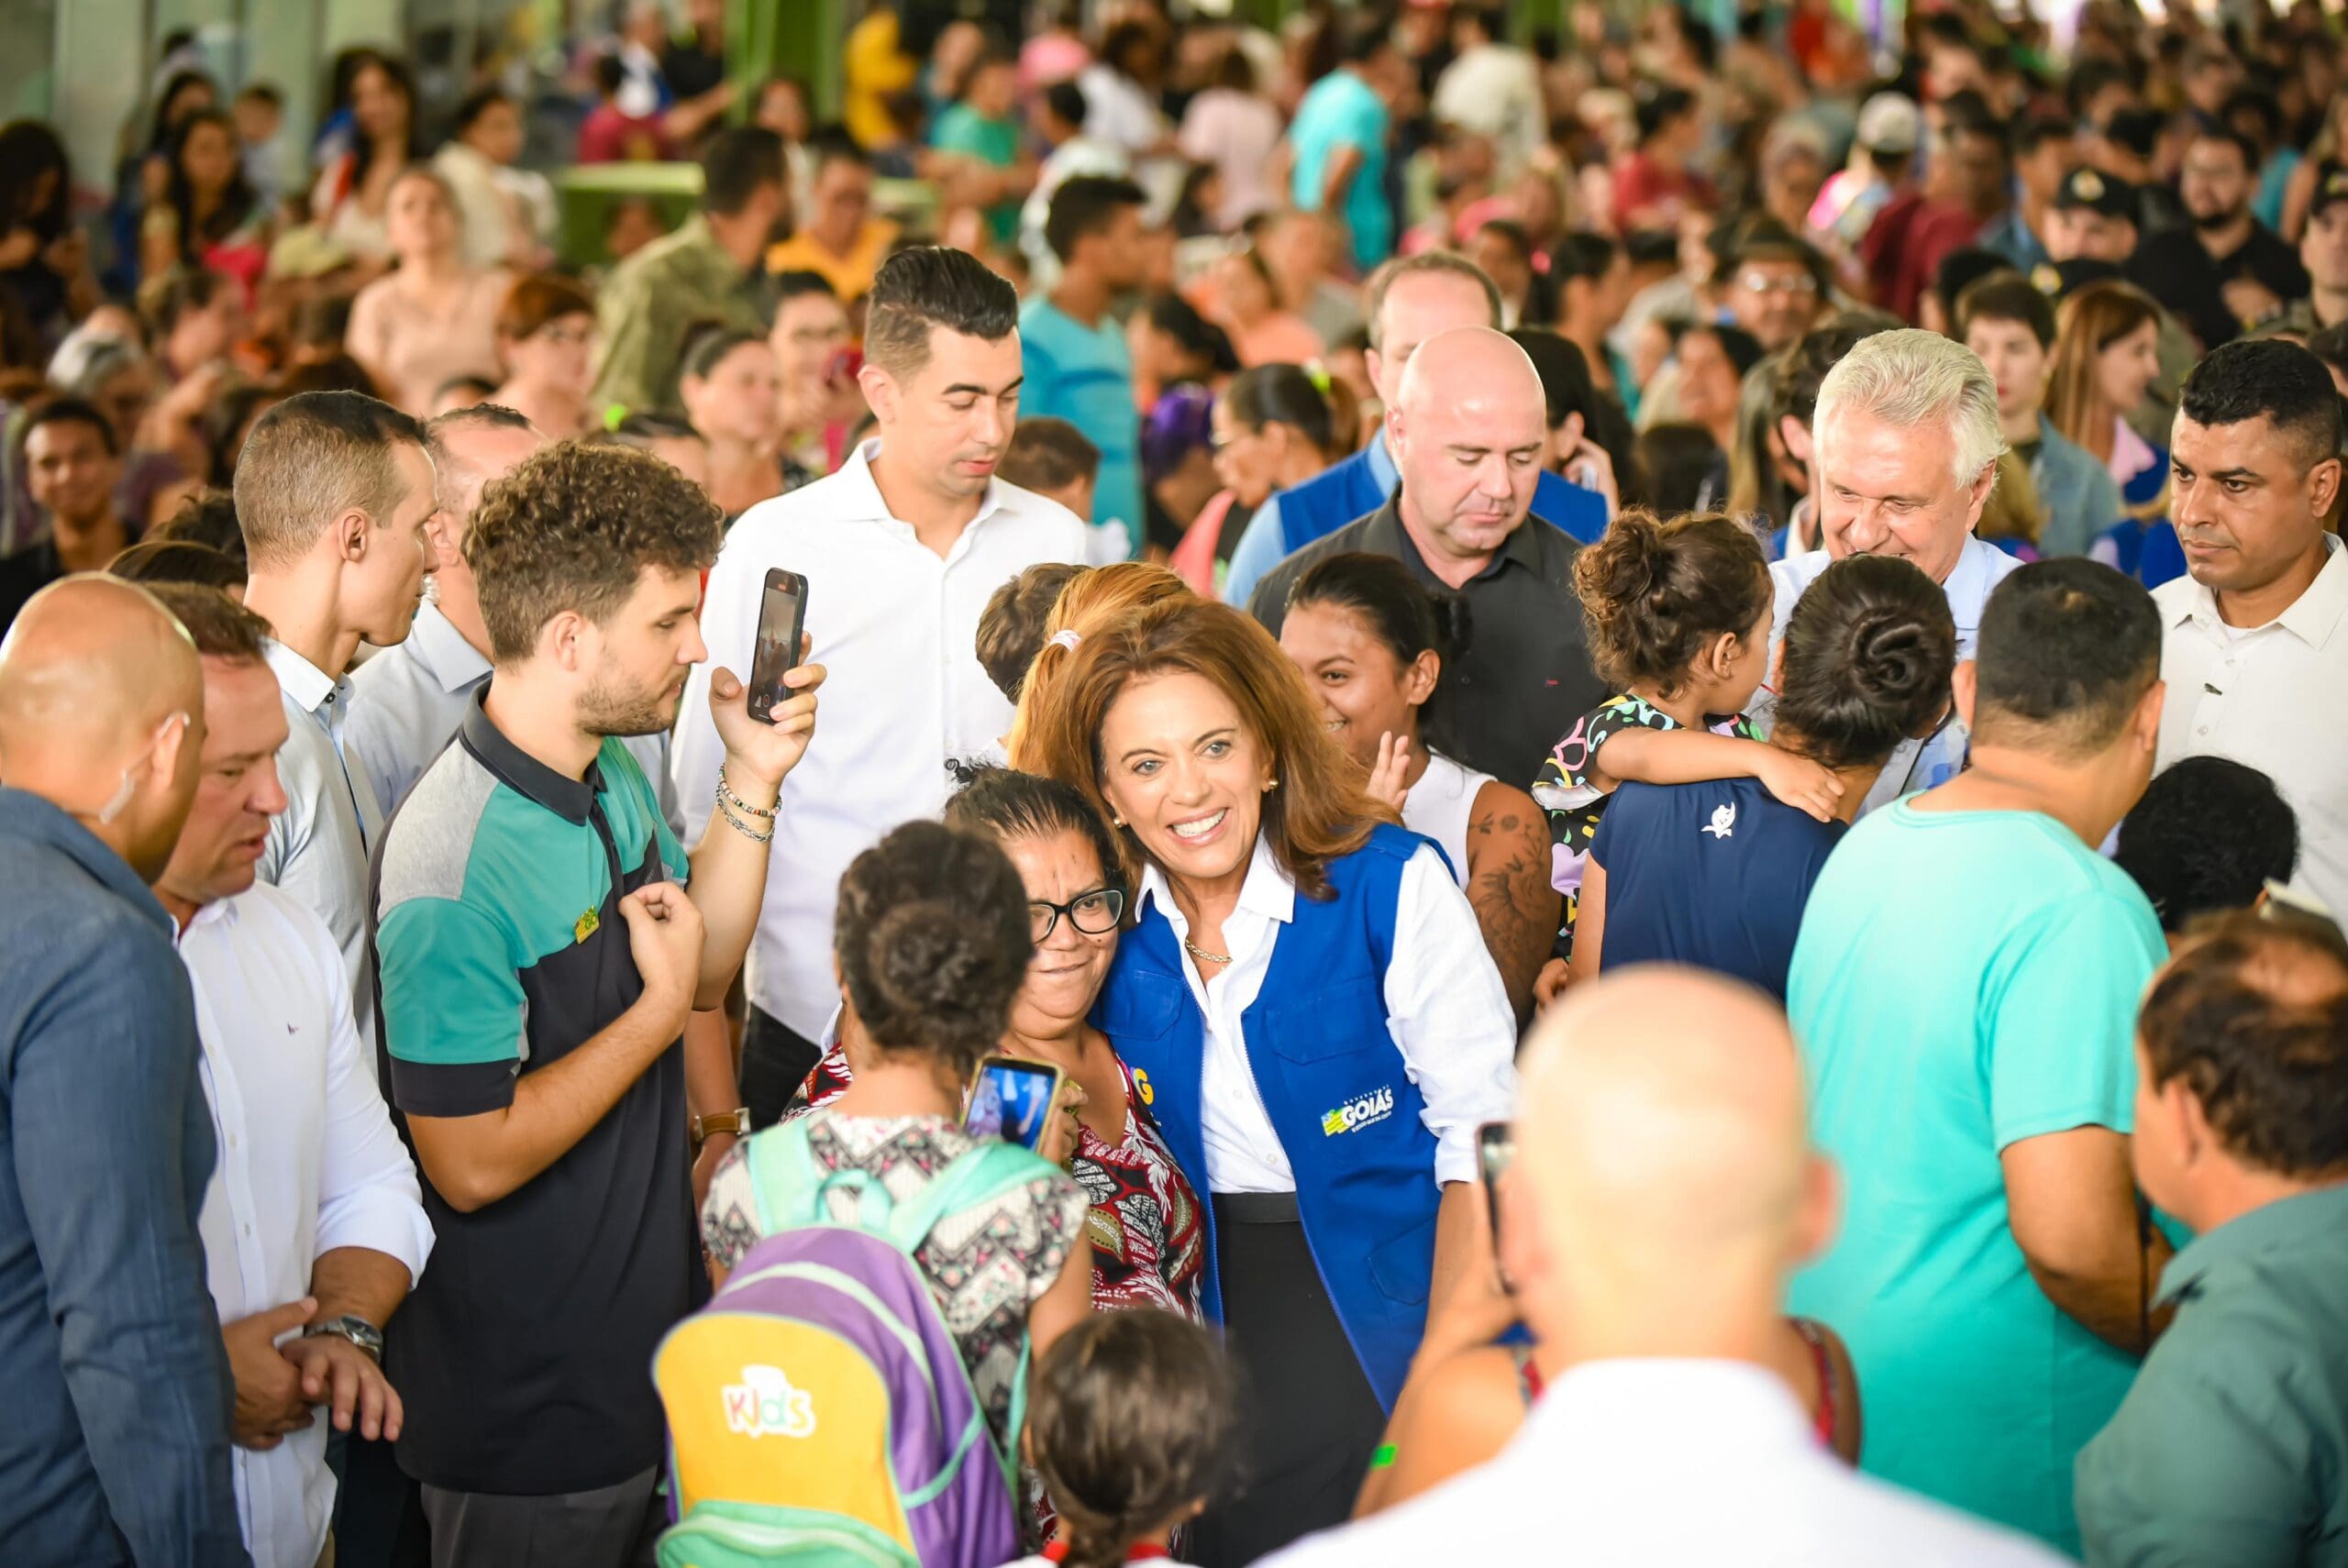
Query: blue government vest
[[1347, 1112], [1346, 490]]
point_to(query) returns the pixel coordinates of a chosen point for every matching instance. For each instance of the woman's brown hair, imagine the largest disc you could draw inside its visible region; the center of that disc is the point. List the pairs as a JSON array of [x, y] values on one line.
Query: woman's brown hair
[[2090, 320], [1318, 812], [1087, 604], [538, 301]]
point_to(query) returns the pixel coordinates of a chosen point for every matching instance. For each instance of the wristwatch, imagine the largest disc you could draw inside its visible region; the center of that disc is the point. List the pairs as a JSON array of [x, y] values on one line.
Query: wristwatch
[[736, 1121], [358, 1330]]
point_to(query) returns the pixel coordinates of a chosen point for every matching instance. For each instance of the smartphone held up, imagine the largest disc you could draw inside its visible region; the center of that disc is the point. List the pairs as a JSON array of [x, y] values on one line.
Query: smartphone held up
[[783, 619]]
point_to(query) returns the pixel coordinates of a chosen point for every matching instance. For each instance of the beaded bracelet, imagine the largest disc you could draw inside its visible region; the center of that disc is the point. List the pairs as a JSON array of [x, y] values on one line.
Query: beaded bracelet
[[726, 794]]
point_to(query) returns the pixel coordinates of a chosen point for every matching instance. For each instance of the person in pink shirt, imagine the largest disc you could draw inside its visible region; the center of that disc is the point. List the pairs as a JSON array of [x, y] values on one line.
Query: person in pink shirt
[[1246, 306]]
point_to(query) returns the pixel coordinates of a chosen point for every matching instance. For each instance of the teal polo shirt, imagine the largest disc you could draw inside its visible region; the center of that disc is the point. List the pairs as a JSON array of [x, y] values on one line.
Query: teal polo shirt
[[2231, 1446], [501, 950], [1963, 981]]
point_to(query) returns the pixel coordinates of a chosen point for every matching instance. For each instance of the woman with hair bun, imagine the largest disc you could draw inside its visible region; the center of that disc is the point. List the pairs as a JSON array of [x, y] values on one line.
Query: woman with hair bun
[[932, 942], [1373, 646], [1275, 427], [1306, 1002], [1678, 616], [1715, 873]]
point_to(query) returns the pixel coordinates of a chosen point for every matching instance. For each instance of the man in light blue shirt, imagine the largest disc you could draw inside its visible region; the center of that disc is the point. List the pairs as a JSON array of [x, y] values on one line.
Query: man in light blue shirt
[[1965, 985], [1072, 352], [1905, 452], [1339, 139]]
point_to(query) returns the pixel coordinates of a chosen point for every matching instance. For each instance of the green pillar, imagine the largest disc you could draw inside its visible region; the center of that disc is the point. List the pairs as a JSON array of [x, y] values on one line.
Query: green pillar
[[789, 37]]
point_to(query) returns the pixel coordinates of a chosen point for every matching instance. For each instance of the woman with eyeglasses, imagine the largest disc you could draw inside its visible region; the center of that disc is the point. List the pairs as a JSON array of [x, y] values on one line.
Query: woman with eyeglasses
[[546, 337], [1148, 1243]]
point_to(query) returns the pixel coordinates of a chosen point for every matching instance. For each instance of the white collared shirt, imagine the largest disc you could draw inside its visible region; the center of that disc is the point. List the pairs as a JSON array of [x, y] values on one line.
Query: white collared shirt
[[410, 697], [1658, 1463], [1917, 764], [1445, 1005], [319, 844], [307, 1163], [896, 627], [2274, 698]]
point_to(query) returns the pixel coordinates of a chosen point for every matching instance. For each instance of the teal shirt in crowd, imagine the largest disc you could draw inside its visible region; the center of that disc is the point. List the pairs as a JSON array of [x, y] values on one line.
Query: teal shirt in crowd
[[960, 128], [1963, 981], [2232, 1447], [1342, 111], [1085, 375]]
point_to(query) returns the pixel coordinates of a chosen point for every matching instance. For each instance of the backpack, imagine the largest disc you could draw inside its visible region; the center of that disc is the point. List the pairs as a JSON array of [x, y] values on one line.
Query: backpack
[[819, 1412]]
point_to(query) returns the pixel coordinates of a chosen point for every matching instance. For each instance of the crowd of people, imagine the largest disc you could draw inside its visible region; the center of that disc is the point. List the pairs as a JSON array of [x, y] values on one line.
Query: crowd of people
[[1644, 726]]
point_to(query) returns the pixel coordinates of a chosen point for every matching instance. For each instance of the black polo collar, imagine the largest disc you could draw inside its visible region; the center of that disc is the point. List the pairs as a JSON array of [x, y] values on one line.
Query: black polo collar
[[1386, 536], [569, 798]]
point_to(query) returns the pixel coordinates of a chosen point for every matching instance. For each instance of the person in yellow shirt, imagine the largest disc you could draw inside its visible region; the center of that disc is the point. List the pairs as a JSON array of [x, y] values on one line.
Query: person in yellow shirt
[[877, 69], [838, 235]]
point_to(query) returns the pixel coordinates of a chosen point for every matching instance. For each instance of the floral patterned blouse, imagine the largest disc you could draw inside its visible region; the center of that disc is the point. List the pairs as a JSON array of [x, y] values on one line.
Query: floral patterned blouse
[[985, 1265], [1149, 1240], [1575, 803]]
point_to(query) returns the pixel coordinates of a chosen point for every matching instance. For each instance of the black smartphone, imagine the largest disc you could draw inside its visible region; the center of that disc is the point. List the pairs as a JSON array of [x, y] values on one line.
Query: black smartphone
[[1495, 1148], [782, 618], [1012, 1100]]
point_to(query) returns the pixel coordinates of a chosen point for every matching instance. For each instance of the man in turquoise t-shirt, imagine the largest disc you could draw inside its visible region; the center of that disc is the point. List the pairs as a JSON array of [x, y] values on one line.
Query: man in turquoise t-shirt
[[982, 127], [1339, 139], [1966, 985], [1072, 352]]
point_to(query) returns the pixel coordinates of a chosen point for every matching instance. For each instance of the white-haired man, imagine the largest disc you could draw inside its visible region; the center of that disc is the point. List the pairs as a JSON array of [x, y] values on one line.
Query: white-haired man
[[1906, 444]]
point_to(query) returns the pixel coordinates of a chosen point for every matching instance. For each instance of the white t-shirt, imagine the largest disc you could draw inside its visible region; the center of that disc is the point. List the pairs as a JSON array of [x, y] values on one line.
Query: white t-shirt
[[1440, 804]]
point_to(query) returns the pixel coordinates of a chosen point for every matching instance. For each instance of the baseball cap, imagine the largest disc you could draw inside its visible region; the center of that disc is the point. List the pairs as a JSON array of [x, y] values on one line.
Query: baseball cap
[[2096, 192], [1890, 122], [2331, 186]]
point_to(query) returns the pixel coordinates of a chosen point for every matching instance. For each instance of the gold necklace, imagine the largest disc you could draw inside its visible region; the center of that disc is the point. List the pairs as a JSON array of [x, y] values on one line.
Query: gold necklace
[[1202, 956]]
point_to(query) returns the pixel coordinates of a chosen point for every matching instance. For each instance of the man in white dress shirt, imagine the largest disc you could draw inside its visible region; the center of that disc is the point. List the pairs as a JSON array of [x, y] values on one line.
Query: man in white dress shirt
[[901, 548], [1663, 1188], [1905, 446], [313, 1225], [332, 489], [2254, 640]]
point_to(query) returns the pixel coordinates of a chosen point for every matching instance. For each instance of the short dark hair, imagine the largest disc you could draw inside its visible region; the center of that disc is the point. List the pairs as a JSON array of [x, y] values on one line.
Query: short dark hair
[[2248, 379], [261, 92], [1007, 805], [2331, 345], [1047, 453], [164, 299], [476, 104], [1066, 100], [1660, 108], [799, 283], [219, 627], [154, 562], [572, 528], [2007, 296], [934, 285], [832, 144], [2034, 131], [2207, 836], [2259, 1041], [1133, 1421], [309, 459], [2068, 650], [1086, 204], [1284, 394], [2241, 144], [1362, 36], [735, 164], [609, 73], [1803, 369], [932, 938], [208, 517], [1011, 627], [1867, 656], [1962, 268], [1653, 594], [72, 411], [1582, 255]]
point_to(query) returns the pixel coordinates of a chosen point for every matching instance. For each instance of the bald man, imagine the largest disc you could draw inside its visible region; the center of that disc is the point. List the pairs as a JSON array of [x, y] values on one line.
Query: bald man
[[1663, 1187], [1467, 429], [115, 1447]]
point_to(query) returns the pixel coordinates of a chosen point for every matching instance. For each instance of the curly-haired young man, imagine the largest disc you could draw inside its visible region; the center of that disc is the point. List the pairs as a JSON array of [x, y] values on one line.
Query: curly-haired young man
[[539, 957]]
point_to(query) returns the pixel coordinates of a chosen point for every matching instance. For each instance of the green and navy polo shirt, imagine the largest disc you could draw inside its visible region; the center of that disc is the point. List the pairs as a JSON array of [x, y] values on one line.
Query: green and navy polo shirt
[[521, 1357]]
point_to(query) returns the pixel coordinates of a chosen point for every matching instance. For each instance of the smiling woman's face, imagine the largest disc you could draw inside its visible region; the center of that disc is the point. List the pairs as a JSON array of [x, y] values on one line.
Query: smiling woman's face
[[1065, 974], [1186, 774]]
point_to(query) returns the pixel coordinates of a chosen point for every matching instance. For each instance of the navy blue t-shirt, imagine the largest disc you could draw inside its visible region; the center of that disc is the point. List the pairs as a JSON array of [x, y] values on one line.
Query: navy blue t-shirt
[[1714, 875]]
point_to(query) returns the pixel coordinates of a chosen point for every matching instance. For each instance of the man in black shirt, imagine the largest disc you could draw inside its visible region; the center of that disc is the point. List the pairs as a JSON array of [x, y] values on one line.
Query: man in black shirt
[[1467, 433], [2228, 269], [70, 467]]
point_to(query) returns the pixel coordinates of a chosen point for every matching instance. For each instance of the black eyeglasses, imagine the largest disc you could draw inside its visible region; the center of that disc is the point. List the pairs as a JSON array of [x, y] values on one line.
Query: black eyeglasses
[[1095, 913]]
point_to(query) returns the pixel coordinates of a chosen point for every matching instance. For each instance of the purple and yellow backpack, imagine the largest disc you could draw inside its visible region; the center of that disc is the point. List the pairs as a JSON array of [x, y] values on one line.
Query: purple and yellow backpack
[[819, 1412]]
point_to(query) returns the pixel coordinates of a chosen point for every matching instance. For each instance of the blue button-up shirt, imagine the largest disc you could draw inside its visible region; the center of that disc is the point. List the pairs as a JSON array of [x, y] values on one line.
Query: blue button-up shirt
[[113, 1425]]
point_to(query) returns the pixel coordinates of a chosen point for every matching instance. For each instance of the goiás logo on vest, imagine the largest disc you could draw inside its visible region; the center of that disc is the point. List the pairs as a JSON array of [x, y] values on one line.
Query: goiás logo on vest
[[764, 1403], [1363, 1111]]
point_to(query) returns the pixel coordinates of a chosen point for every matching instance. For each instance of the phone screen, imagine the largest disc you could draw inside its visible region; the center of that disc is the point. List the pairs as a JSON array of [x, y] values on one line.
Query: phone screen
[[1011, 1100], [1495, 1148], [780, 618]]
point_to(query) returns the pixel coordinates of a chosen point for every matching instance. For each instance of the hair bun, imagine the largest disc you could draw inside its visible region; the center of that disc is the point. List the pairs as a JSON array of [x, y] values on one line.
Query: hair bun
[[925, 959], [1622, 567], [1890, 658]]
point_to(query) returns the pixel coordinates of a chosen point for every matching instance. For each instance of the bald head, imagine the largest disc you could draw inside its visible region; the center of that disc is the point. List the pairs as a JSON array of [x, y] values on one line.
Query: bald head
[[1662, 1150], [1468, 433], [470, 446], [92, 671]]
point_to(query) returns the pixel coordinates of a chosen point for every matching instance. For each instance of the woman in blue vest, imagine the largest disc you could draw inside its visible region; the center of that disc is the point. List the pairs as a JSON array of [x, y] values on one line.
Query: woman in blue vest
[[1309, 1012]]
